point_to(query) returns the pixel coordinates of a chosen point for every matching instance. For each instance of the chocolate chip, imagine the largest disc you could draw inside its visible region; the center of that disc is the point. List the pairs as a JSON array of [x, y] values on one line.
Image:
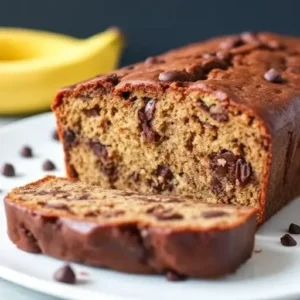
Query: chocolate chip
[[149, 110], [249, 37], [98, 149], [55, 135], [288, 241], [65, 274], [113, 78], [164, 172], [174, 276], [57, 205], [173, 76], [164, 214], [214, 214], [231, 42], [69, 136], [48, 165], [219, 113], [213, 63], [8, 170], [92, 112], [294, 228], [26, 151], [224, 55], [135, 176], [149, 134], [243, 171], [153, 60], [273, 76]]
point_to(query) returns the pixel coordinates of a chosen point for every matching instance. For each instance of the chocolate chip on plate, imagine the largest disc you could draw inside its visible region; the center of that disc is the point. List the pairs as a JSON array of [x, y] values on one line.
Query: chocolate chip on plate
[[26, 152], [288, 241], [55, 135], [273, 76], [65, 274], [294, 229], [48, 165], [174, 276], [8, 170]]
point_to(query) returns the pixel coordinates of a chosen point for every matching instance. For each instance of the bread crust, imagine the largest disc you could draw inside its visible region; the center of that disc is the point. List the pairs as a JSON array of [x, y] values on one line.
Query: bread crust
[[132, 247]]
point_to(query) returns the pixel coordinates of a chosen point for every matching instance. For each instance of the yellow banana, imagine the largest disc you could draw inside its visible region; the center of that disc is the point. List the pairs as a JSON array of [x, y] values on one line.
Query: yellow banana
[[34, 64]]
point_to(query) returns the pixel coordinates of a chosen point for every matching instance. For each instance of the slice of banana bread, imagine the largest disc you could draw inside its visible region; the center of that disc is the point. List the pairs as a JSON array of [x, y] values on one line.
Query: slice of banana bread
[[217, 120], [128, 231]]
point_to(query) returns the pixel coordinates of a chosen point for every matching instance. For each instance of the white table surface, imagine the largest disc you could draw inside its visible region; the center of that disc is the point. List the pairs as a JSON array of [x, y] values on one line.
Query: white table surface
[[9, 291]]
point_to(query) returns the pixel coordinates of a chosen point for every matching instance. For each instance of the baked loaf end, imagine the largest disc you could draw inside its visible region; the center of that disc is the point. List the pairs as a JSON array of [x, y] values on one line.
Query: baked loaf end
[[217, 120], [127, 231]]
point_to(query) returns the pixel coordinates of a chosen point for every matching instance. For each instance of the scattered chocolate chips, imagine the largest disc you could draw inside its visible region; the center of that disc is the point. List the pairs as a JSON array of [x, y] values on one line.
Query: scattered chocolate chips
[[113, 78], [55, 135], [294, 229], [8, 170], [288, 241], [273, 76], [214, 214], [69, 136], [48, 165], [26, 152], [243, 171], [57, 205], [65, 274], [174, 276]]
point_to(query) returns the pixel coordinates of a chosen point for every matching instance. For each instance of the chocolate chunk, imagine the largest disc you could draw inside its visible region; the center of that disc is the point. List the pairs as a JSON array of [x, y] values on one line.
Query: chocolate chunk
[[273, 76], [249, 37], [8, 170], [48, 165], [98, 149], [164, 214], [92, 112], [149, 134], [243, 171], [113, 78], [213, 63], [231, 42], [26, 151], [174, 276], [135, 176], [214, 214], [149, 110], [153, 60], [69, 136], [55, 135], [164, 172], [219, 113], [173, 76], [65, 274], [294, 228], [57, 205], [224, 55], [288, 241]]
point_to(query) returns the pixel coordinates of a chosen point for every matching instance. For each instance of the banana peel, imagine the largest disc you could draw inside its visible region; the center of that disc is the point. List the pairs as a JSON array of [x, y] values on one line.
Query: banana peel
[[35, 64]]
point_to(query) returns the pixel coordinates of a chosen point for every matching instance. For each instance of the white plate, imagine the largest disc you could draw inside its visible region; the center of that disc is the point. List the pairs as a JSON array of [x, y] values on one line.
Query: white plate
[[273, 273]]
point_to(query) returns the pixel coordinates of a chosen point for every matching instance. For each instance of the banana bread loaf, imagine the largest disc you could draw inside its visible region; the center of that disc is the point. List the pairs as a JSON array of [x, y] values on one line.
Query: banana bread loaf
[[217, 120], [128, 231]]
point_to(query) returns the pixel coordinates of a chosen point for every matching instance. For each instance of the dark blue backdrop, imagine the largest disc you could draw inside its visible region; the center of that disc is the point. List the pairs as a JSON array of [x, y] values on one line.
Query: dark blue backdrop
[[155, 25]]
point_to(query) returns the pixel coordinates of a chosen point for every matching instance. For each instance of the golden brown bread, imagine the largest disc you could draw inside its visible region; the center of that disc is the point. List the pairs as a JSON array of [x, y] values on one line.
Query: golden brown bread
[[217, 120], [128, 231]]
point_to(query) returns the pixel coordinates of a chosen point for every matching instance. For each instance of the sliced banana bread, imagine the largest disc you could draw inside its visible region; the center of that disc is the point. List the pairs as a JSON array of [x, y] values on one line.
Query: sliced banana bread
[[128, 231], [217, 120]]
